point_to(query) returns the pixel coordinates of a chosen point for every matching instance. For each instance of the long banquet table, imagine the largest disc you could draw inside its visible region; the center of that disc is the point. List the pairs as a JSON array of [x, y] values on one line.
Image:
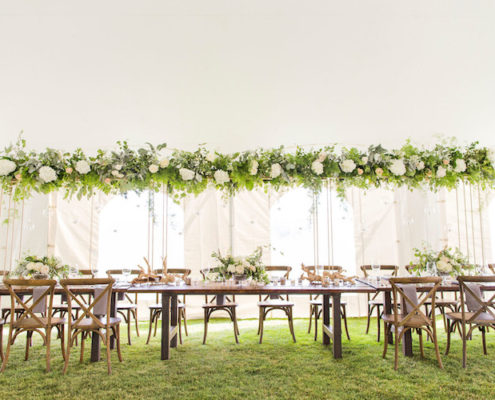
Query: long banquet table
[[332, 332]]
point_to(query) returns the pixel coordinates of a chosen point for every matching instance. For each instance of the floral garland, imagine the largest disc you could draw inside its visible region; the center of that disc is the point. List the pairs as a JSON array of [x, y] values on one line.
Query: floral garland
[[183, 172]]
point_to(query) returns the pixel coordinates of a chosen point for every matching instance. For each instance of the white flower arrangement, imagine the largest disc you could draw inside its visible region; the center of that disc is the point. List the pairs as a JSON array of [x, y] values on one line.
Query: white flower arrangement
[[275, 170], [186, 174], [7, 167], [221, 177], [441, 172], [47, 174], [460, 165], [322, 156], [253, 169], [153, 168], [164, 163], [397, 167], [33, 267], [249, 267], [448, 261], [348, 166], [211, 157], [82, 166], [317, 167]]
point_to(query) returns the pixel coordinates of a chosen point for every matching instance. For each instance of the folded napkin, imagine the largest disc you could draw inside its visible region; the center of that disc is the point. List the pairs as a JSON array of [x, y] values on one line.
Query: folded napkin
[[410, 292], [100, 307], [38, 292]]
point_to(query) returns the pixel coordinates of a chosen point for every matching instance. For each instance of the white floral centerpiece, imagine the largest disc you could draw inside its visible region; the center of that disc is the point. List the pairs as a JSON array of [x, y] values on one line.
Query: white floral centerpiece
[[41, 268], [240, 267], [448, 261]]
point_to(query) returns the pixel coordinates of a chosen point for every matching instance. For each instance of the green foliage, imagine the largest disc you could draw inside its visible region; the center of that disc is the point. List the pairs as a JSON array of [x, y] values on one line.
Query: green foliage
[[446, 261], [30, 266], [185, 172]]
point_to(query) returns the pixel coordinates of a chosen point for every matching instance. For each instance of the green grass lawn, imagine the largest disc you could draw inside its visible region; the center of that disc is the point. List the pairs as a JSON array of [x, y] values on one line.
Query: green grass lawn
[[277, 369]]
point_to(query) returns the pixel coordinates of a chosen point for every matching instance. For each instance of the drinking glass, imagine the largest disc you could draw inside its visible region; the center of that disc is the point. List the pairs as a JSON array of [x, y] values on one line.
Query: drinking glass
[[126, 273], [431, 268], [375, 268]]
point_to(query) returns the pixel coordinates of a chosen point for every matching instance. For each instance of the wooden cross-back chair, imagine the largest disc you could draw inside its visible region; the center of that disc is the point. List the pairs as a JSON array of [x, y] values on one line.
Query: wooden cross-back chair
[[63, 306], [94, 317], [373, 301], [127, 306], [475, 312], [219, 303], [492, 268], [156, 309], [276, 302], [441, 303], [36, 317], [18, 309], [316, 304], [409, 316]]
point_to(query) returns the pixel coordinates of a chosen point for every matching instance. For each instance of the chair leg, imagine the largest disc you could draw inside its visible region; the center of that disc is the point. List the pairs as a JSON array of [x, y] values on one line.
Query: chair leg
[[67, 354], [386, 328], [259, 319], [369, 319], [207, 316], [83, 339], [128, 327], [7, 353], [291, 324], [109, 361], [343, 312], [135, 314], [180, 327], [262, 322], [396, 348], [378, 318], [62, 340], [464, 344], [449, 329], [48, 341], [119, 353], [28, 344], [1, 342], [317, 317], [234, 320], [185, 320], [157, 317], [151, 325], [311, 311], [421, 350], [483, 336], [437, 350]]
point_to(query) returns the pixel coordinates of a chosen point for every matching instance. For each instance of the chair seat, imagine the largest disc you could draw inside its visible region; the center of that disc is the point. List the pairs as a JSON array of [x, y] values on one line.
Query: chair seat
[[215, 305], [482, 319], [376, 303], [90, 324], [413, 322], [275, 303], [159, 306], [32, 323], [125, 306], [446, 303], [320, 303]]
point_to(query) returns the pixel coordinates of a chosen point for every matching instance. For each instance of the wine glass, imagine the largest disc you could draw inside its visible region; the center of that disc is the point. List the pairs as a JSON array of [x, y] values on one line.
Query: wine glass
[[431, 268], [126, 273], [375, 268]]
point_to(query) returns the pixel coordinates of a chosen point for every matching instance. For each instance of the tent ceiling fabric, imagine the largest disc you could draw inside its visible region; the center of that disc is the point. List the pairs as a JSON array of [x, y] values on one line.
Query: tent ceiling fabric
[[242, 74]]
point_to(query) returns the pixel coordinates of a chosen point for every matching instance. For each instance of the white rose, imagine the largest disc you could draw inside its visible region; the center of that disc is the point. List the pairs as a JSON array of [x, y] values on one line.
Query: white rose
[[153, 168], [211, 157], [348, 166], [198, 177], [322, 156], [252, 268], [31, 266], [444, 266], [82, 167], [253, 170], [239, 269], [6, 167], [378, 157], [117, 167], [275, 170], [317, 167], [47, 174], [231, 268], [186, 174], [221, 177], [164, 162], [460, 165], [420, 165], [397, 167], [44, 269], [117, 174], [364, 160], [441, 172], [491, 155]]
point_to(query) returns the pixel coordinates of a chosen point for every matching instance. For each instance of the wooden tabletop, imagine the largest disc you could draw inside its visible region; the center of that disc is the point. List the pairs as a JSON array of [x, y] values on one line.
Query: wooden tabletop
[[450, 286]]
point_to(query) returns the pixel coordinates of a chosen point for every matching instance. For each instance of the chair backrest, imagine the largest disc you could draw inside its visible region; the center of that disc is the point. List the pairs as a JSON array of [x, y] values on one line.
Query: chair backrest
[[410, 268], [279, 268], [472, 299], [98, 306], [86, 273], [121, 272], [42, 290], [492, 268], [404, 291], [182, 272], [392, 270], [337, 268]]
